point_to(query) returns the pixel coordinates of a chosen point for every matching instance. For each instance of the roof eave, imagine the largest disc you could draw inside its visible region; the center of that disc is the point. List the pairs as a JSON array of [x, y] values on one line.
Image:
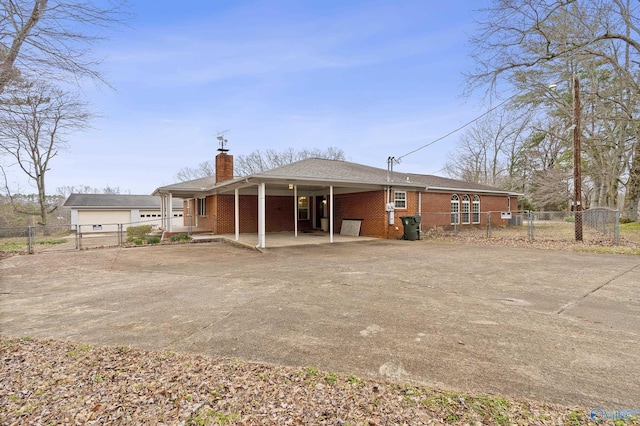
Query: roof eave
[[477, 191]]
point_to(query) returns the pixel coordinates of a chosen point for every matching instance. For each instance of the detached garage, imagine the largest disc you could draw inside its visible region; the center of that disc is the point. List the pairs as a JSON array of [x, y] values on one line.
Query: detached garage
[[105, 212]]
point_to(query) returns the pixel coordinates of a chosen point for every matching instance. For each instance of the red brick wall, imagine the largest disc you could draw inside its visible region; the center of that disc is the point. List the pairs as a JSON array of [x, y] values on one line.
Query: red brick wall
[[279, 214], [369, 206], [436, 208], [224, 167]]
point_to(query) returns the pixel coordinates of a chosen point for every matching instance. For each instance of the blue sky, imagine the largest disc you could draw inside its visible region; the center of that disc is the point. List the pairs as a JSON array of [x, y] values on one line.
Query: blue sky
[[374, 78]]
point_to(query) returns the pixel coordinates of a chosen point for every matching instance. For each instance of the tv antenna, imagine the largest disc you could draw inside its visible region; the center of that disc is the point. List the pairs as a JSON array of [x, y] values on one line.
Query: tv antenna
[[222, 140]]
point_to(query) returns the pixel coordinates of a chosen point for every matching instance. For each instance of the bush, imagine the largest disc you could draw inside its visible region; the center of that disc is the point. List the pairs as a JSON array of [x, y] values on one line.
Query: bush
[[153, 240], [179, 237], [138, 231], [137, 241]]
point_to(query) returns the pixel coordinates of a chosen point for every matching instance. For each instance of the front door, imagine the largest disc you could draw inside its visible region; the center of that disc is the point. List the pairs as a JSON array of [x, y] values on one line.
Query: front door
[[321, 203]]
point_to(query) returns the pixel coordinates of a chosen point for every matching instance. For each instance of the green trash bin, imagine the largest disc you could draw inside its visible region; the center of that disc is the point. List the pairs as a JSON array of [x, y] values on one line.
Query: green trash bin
[[411, 227]]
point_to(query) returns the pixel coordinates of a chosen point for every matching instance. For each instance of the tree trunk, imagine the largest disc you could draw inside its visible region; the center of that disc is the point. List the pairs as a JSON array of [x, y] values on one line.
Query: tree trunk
[[632, 195]]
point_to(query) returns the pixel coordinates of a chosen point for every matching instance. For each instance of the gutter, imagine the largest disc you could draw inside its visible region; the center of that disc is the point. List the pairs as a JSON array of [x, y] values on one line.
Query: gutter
[[469, 190]]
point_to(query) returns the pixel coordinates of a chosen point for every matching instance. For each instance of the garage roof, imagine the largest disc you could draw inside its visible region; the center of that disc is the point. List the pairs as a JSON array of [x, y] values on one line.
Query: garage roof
[[111, 201]]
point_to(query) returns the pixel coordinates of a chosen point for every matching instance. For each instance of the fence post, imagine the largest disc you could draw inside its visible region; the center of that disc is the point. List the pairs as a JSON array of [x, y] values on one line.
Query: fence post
[[530, 225], [488, 224], [30, 239], [616, 237], [119, 234]]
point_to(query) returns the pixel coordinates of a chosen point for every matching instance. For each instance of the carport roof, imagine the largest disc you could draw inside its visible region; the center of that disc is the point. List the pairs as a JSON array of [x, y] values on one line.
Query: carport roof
[[324, 172], [111, 201]]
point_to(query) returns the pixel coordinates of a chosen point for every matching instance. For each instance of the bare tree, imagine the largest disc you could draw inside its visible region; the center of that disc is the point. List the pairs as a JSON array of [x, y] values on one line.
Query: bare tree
[[204, 169], [33, 127], [65, 191], [487, 151], [52, 37], [259, 161], [523, 42]]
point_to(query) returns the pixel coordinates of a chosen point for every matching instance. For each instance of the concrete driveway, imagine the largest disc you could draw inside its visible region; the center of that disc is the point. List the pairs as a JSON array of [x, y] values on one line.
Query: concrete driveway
[[553, 326]]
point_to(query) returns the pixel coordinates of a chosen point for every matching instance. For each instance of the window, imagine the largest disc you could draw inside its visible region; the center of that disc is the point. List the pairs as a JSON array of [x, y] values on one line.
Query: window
[[465, 209], [455, 209], [475, 217], [202, 206], [400, 199], [303, 208]]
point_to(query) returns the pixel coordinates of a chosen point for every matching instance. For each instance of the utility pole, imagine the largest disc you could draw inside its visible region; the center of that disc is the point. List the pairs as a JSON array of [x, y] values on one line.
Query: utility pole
[[577, 178]]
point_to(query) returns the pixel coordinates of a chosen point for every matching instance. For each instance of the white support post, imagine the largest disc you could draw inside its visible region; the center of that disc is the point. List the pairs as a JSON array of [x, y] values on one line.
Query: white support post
[[169, 212], [295, 210], [331, 214], [163, 213], [261, 215], [237, 213]]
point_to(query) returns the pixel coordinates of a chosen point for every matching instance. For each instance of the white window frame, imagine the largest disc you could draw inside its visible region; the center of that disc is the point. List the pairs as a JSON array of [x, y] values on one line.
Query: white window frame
[[303, 207], [465, 218], [202, 206], [455, 209], [475, 209], [400, 200]]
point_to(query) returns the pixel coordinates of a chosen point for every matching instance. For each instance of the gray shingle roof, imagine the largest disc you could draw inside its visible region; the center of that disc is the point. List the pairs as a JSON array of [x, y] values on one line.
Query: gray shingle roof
[[344, 171], [333, 172], [192, 185], [116, 201]]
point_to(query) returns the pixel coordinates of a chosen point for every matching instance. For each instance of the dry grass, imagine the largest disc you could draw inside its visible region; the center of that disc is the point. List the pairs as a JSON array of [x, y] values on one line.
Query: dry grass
[[60, 382], [549, 235]]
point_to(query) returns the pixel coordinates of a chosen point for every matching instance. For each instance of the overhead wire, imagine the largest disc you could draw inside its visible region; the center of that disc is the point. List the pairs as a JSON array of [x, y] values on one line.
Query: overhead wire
[[397, 159]]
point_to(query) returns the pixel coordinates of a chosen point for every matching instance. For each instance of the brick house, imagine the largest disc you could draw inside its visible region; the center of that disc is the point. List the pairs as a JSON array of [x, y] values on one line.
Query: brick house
[[320, 194]]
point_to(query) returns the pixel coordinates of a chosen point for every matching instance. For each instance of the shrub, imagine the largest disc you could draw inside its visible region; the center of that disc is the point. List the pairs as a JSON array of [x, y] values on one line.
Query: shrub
[[138, 241], [140, 231], [153, 240], [179, 237]]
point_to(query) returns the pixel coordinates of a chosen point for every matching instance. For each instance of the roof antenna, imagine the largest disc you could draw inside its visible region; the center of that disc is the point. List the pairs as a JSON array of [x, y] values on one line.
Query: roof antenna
[[222, 141]]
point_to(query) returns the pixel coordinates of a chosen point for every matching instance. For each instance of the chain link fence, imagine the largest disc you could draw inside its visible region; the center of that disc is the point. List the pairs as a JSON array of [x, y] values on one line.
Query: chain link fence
[[598, 225], [593, 225], [37, 239]]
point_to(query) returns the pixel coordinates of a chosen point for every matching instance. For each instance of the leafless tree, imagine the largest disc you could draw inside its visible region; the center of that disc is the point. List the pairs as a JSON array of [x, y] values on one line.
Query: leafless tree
[[259, 161], [522, 43], [204, 169], [33, 126], [65, 191], [53, 37], [487, 151]]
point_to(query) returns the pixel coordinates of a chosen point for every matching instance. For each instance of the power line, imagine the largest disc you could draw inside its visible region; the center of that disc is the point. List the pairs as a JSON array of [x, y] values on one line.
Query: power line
[[453, 131]]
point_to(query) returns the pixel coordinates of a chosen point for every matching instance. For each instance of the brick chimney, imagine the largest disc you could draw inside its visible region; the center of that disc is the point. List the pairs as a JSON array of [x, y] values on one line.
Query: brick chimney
[[224, 167]]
